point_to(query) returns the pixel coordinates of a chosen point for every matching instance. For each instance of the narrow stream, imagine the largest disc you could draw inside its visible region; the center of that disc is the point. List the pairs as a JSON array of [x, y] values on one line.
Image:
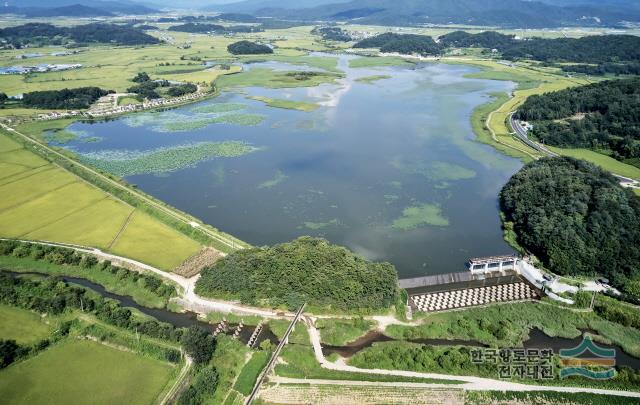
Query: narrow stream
[[177, 319], [537, 340]]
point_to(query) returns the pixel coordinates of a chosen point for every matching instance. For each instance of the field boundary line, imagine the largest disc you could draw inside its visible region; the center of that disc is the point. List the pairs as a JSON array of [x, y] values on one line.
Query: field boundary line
[[84, 207], [37, 196], [28, 174], [121, 230]]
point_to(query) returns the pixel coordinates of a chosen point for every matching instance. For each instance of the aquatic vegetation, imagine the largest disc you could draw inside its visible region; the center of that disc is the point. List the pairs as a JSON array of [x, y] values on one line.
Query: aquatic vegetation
[[189, 123], [92, 139], [287, 104], [435, 171], [63, 136], [446, 171], [279, 178], [391, 198], [372, 79], [60, 137], [218, 108], [140, 120], [127, 163], [321, 225], [420, 215]]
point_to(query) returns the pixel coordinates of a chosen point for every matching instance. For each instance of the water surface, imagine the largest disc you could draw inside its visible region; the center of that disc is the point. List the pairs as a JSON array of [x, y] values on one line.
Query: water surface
[[347, 171]]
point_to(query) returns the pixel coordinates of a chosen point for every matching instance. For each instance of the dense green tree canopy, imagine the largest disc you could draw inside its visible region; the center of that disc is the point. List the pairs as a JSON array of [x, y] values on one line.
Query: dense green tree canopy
[[248, 48], [402, 43], [604, 115], [305, 270], [45, 34], [576, 218], [78, 98]]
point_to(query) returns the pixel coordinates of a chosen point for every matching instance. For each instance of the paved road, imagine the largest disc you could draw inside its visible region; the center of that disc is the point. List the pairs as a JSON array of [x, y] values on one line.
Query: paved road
[[521, 133]]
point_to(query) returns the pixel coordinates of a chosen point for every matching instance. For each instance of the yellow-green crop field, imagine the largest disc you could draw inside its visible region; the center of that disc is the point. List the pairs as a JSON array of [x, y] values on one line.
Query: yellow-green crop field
[[78, 371], [42, 201]]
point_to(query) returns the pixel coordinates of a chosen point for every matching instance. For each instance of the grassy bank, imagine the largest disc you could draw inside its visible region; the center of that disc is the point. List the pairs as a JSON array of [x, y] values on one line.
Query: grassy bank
[[339, 332], [604, 161]]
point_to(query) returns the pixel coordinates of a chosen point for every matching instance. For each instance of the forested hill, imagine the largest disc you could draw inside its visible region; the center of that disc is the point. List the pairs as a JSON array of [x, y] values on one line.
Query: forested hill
[[402, 43], [590, 49], [306, 270], [597, 49], [604, 115], [47, 34], [576, 218]]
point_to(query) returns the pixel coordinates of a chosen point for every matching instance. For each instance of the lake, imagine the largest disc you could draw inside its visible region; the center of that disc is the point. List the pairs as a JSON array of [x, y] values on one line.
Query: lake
[[389, 169]]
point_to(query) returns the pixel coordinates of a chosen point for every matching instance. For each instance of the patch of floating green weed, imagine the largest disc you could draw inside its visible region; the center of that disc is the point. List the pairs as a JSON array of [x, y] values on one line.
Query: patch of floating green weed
[[91, 139], [192, 123], [60, 137], [391, 198], [320, 225], [127, 163], [286, 104], [436, 171], [218, 108], [446, 171], [419, 215], [140, 120], [372, 79], [279, 178]]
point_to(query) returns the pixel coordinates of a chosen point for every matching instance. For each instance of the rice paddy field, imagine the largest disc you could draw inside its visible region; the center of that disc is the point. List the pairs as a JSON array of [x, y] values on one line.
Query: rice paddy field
[[75, 370], [42, 201], [25, 327]]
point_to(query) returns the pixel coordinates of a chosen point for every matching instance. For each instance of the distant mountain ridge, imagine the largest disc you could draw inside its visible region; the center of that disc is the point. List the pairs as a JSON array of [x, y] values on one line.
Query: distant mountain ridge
[[504, 13], [73, 8]]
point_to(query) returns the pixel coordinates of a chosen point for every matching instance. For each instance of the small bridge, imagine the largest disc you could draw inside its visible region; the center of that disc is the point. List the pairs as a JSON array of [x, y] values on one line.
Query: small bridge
[[274, 357]]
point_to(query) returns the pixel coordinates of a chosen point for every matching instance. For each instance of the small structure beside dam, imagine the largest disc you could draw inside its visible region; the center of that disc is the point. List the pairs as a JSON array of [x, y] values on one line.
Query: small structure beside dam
[[486, 280]]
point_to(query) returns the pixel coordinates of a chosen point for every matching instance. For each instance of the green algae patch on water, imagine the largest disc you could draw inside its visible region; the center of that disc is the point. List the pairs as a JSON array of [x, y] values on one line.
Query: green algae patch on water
[[420, 215], [162, 160], [372, 79], [286, 104], [279, 178], [188, 123], [316, 226], [218, 108]]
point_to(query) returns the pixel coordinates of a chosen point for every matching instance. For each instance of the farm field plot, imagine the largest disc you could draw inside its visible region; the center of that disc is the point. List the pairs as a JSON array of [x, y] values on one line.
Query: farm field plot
[[48, 203], [73, 371], [148, 240], [25, 327], [344, 394], [77, 230]]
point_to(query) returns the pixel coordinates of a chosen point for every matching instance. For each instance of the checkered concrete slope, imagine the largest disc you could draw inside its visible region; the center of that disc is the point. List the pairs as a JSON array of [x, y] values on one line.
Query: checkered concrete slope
[[473, 296]]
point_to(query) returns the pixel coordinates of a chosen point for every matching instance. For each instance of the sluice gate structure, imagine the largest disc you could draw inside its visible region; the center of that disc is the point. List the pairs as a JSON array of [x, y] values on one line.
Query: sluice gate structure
[[486, 280]]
